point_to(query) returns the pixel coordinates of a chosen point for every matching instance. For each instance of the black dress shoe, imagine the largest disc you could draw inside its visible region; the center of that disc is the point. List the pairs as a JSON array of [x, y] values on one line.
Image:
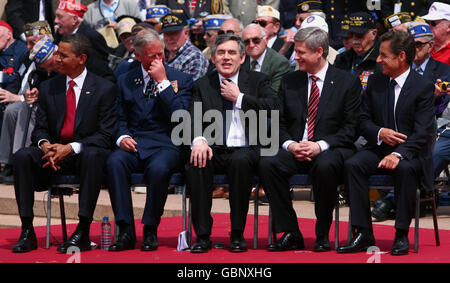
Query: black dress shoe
[[27, 242], [150, 242], [238, 243], [124, 242], [201, 245], [79, 239], [400, 246], [360, 242], [289, 241], [381, 209], [322, 245]]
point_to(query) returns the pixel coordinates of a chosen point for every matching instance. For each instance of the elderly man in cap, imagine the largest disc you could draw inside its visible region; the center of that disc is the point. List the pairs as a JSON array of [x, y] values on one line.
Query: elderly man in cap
[[361, 59], [20, 116], [269, 19], [438, 18], [398, 21], [154, 14], [16, 98], [181, 54]]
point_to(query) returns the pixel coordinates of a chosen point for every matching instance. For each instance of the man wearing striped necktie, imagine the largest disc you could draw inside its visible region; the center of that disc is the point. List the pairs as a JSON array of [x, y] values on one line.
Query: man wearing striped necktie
[[319, 114]]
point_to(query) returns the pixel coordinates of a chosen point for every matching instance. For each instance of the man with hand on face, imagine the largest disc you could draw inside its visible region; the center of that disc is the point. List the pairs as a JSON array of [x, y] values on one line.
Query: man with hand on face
[[148, 95], [318, 121], [230, 90], [397, 120], [75, 123]]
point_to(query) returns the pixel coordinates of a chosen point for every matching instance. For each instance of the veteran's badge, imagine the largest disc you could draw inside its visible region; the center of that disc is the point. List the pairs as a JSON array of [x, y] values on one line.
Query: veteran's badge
[[174, 85]]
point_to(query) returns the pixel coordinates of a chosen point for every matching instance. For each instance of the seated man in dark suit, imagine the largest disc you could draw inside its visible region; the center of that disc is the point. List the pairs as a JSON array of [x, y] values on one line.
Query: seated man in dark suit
[[397, 120], [148, 95], [75, 125], [319, 113], [227, 91]]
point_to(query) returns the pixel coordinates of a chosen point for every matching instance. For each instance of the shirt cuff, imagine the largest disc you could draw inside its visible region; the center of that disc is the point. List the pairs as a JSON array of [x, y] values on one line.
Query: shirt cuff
[[378, 137], [163, 85], [41, 141], [119, 140], [76, 146], [239, 100], [22, 98], [323, 145], [286, 144], [197, 139]]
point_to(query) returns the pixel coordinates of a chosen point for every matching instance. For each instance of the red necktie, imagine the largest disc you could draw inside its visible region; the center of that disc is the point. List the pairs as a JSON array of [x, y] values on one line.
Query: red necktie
[[69, 119], [313, 105]]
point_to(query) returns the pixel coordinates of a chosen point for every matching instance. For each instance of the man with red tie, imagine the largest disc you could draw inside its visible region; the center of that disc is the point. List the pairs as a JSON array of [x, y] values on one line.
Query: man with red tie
[[75, 124], [318, 121]]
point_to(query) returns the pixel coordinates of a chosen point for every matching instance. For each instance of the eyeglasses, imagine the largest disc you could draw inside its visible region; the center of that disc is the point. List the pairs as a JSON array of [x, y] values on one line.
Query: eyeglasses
[[210, 34], [219, 32], [419, 44], [432, 23], [262, 23], [255, 40], [357, 35]]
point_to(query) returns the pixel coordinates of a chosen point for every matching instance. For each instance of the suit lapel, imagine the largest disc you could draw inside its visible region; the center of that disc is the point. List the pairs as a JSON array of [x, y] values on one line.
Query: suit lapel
[[86, 94], [214, 92], [60, 102], [243, 82], [327, 90]]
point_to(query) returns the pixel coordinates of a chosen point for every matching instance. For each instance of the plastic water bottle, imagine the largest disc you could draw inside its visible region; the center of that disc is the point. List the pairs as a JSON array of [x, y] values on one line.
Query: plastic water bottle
[[106, 237]]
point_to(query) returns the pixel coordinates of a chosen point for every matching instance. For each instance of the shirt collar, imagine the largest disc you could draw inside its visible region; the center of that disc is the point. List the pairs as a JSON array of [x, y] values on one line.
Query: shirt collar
[[400, 80], [260, 59], [423, 65], [145, 74], [234, 78], [78, 80], [320, 74]]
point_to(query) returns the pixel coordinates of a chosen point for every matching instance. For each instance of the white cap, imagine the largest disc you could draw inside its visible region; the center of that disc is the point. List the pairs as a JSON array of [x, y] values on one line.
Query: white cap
[[315, 21], [438, 11], [267, 11]]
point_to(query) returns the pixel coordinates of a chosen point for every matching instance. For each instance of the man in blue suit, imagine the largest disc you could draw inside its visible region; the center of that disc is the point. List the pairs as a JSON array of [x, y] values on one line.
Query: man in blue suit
[[148, 95]]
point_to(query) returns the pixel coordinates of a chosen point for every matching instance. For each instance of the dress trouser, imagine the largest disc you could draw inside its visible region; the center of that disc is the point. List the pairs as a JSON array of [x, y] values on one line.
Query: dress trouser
[[358, 169], [325, 171], [240, 165], [158, 168], [29, 176]]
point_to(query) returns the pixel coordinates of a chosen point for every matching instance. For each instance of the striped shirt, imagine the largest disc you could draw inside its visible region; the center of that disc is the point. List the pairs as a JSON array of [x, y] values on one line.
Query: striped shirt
[[189, 59]]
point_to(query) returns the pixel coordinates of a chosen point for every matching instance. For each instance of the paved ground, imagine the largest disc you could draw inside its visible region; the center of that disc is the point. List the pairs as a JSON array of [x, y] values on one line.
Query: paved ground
[[303, 206]]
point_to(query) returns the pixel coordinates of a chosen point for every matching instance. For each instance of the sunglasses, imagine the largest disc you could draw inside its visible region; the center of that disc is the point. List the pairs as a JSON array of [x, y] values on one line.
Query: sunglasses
[[219, 32], [419, 44], [255, 40], [262, 23]]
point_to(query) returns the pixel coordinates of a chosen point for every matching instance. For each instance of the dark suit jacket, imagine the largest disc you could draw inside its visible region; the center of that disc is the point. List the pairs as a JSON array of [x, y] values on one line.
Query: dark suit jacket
[[95, 118], [21, 12], [254, 85], [337, 115], [437, 70], [148, 121], [414, 117]]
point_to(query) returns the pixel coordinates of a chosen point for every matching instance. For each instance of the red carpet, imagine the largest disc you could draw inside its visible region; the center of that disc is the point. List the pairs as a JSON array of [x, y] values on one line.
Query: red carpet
[[171, 226]]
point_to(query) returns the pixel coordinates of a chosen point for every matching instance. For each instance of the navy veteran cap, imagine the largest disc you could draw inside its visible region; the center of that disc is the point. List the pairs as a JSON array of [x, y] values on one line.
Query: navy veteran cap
[[37, 28], [173, 22], [360, 22], [308, 6], [43, 50], [418, 29], [214, 22], [157, 12], [397, 19]]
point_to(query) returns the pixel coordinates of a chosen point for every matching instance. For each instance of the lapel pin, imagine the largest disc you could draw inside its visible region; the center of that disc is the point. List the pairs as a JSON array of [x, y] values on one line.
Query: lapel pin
[[88, 92]]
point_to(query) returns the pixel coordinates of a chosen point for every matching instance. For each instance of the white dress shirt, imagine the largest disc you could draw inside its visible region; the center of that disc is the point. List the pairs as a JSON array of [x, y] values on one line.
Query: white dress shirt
[[319, 82], [236, 133], [260, 61]]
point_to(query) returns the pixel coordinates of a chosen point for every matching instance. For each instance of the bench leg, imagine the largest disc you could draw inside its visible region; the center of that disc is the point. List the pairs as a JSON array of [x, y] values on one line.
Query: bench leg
[[336, 224], [435, 223], [183, 207], [255, 224], [49, 216]]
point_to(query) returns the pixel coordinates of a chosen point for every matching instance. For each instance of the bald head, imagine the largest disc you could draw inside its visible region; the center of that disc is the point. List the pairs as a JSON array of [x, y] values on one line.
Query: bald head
[[232, 25]]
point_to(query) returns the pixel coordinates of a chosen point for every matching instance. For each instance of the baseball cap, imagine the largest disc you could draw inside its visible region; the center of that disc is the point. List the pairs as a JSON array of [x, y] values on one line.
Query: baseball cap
[[360, 22], [125, 25], [37, 28], [397, 19], [173, 22], [315, 21], [308, 6], [438, 11]]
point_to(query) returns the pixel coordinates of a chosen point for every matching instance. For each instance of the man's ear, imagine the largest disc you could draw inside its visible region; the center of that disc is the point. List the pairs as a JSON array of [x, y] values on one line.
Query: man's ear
[[83, 58]]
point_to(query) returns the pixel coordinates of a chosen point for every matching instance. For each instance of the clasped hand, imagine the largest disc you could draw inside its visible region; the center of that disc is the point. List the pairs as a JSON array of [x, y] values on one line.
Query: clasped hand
[[54, 154], [199, 153], [304, 150]]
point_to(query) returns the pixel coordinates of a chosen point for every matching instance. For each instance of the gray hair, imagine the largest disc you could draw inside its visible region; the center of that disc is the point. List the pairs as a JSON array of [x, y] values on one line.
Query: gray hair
[[314, 38], [226, 37], [263, 32], [145, 37]]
